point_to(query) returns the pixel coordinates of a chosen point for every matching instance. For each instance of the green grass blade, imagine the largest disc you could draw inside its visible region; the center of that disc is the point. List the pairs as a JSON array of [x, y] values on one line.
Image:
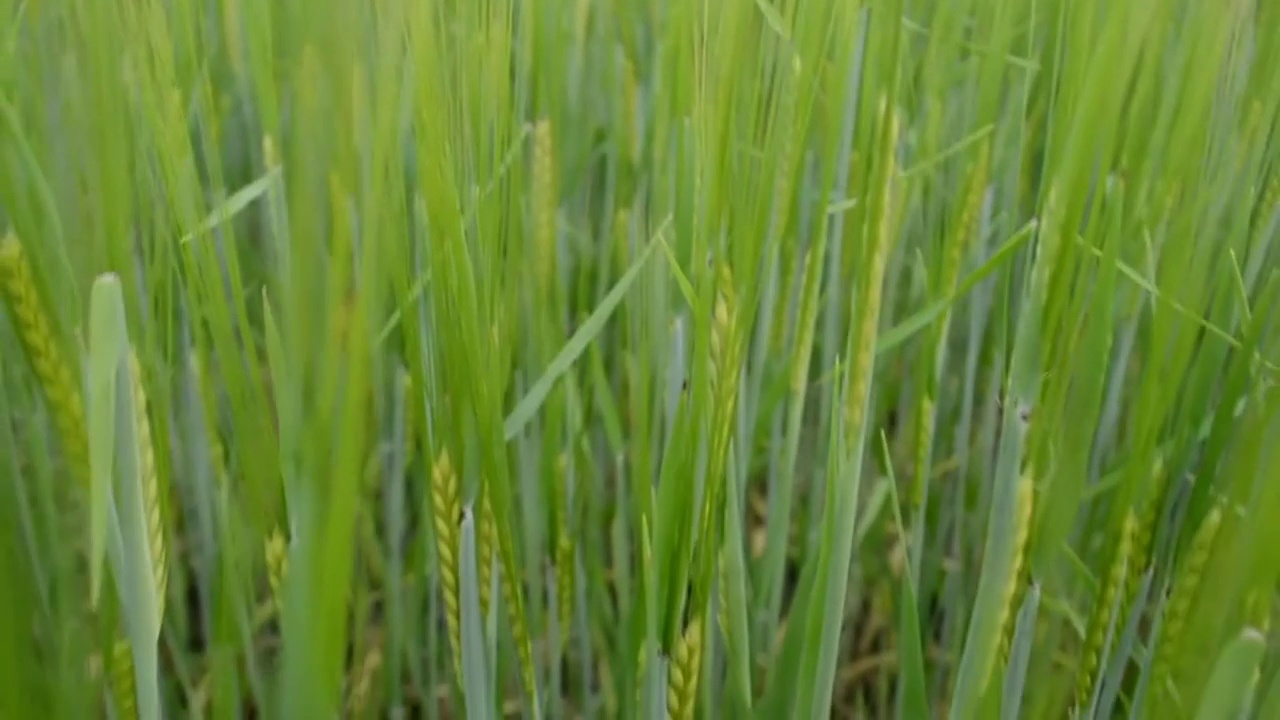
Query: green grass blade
[[479, 690], [1233, 676], [1015, 680], [106, 348]]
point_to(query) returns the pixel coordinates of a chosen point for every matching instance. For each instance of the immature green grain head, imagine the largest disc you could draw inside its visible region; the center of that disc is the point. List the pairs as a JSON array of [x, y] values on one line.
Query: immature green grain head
[[1017, 579], [519, 633], [682, 680], [1150, 517], [485, 536], [57, 381], [362, 681], [276, 553], [724, 320], [123, 688], [150, 486], [880, 243], [445, 511], [544, 205], [1115, 581], [1178, 606]]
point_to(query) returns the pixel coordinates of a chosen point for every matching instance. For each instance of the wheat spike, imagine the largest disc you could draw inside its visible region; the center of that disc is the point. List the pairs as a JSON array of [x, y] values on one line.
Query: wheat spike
[[276, 553], [484, 550], [445, 513], [682, 680], [724, 320], [1017, 576], [61, 390], [362, 684], [123, 689], [1179, 604], [519, 630], [965, 235], [150, 486], [1145, 530], [868, 320], [544, 205], [1116, 581]]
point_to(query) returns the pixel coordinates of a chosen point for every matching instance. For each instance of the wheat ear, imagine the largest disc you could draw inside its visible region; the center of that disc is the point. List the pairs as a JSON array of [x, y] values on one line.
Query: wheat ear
[[682, 680], [1178, 607], [445, 513], [61, 391]]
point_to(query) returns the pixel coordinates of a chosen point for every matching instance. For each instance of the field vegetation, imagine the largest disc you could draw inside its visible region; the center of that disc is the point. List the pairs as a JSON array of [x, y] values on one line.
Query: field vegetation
[[639, 359]]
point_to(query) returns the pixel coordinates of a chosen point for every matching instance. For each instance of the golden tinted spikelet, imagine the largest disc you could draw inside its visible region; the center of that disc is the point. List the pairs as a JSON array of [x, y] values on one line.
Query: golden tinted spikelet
[[445, 511], [57, 381], [682, 678], [123, 692], [484, 550], [276, 554]]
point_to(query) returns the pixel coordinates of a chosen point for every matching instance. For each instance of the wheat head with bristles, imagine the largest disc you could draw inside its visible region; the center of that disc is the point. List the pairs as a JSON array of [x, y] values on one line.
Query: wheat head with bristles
[[724, 320], [682, 678], [1115, 582], [544, 206], [966, 235], [855, 406], [123, 687], [361, 684], [276, 554], [57, 381], [445, 511], [519, 630], [1178, 607], [722, 601], [1017, 577], [1144, 533], [484, 550], [150, 486]]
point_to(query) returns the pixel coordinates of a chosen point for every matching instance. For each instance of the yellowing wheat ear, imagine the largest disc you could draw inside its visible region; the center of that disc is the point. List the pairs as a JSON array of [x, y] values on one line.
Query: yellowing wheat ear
[[485, 536], [123, 688], [276, 553], [682, 680], [724, 319], [445, 511], [57, 381]]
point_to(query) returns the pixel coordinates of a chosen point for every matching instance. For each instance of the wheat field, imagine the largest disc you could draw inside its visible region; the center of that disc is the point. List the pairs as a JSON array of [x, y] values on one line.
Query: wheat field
[[639, 359]]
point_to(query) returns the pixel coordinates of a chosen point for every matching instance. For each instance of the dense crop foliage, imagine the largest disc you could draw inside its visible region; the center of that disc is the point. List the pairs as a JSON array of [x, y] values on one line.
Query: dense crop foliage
[[639, 358]]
